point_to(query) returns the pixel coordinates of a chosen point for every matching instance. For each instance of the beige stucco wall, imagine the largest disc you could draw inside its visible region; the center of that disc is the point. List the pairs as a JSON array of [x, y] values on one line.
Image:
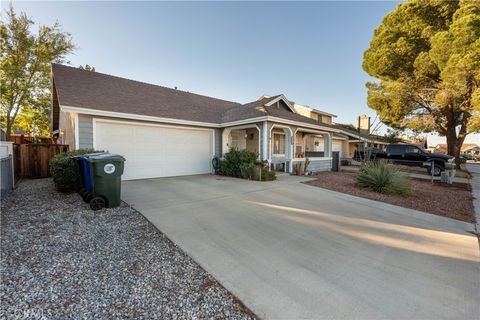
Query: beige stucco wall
[[252, 140], [67, 126], [352, 146]]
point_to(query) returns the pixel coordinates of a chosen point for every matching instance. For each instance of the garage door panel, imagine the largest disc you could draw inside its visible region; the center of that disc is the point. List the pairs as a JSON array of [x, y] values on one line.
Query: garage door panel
[[157, 151], [337, 147]]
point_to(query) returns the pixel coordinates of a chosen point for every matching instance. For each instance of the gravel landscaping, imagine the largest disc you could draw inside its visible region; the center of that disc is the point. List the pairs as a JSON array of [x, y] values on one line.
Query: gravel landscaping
[[61, 260], [453, 201]]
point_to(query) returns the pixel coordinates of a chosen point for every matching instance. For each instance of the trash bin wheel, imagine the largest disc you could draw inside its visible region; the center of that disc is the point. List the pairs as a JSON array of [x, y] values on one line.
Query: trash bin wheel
[[97, 203], [88, 196]]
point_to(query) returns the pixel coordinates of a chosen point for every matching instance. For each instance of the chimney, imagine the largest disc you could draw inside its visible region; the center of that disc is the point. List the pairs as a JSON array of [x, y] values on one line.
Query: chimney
[[175, 89], [363, 124]]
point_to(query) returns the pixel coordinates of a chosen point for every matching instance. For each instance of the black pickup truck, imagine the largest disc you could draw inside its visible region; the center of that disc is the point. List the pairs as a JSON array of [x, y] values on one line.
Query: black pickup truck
[[410, 155]]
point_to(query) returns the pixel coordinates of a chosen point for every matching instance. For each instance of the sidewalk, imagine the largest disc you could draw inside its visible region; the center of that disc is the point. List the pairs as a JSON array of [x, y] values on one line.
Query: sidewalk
[[416, 175], [475, 183]]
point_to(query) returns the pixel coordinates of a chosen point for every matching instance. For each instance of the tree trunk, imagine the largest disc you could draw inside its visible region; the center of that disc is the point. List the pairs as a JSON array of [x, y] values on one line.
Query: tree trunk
[[8, 129], [452, 142], [454, 145]]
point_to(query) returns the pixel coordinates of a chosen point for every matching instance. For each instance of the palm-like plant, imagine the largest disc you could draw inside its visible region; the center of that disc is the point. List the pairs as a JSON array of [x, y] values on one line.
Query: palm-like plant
[[383, 177]]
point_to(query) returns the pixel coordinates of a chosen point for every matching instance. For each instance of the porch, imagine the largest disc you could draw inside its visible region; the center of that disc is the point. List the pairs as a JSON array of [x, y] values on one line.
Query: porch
[[284, 146], [242, 137], [290, 147]]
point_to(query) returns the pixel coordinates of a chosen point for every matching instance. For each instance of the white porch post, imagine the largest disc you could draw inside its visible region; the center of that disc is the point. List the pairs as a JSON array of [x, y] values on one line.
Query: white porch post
[[328, 144], [265, 155], [225, 134]]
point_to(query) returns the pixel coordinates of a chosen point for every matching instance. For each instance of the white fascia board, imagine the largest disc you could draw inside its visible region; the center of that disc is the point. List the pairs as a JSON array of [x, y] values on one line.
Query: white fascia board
[[95, 112], [240, 122], [302, 124], [132, 116]]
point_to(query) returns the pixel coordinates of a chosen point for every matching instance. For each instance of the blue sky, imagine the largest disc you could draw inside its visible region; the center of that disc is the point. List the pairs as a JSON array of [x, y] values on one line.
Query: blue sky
[[310, 51]]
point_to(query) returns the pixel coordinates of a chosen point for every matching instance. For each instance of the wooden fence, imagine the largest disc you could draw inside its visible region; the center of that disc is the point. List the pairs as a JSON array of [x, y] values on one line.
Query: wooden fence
[[35, 158]]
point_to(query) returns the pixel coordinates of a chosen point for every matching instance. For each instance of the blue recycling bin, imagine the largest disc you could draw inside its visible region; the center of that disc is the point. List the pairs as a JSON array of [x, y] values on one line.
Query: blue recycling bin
[[86, 184]]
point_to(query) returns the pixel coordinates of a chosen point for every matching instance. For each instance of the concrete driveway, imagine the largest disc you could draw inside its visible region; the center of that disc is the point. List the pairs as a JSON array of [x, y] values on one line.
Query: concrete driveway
[[292, 251]]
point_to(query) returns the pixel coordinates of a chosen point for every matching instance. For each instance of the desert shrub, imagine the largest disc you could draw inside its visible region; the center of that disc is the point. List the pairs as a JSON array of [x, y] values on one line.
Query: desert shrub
[[263, 169], [383, 177], [65, 171], [244, 164]]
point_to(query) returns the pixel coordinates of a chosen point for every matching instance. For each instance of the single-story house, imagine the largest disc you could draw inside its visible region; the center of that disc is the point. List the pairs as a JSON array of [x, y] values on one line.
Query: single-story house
[[470, 148], [168, 132]]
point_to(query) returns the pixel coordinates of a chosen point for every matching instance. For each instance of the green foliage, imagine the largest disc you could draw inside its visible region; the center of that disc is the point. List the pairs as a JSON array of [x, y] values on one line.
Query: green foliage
[[298, 168], [267, 175], [393, 135], [244, 164], [306, 164], [65, 170], [236, 161], [25, 62], [383, 177], [426, 54]]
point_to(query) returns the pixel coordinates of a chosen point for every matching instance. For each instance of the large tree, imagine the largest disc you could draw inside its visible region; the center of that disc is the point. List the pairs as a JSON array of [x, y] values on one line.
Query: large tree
[[25, 61], [426, 54]]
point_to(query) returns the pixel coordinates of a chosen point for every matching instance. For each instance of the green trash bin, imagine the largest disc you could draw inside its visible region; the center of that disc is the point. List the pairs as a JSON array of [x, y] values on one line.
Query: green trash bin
[[106, 171]]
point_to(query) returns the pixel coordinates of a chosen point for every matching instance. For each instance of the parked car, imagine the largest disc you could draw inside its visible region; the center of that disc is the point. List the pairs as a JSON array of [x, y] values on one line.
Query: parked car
[[410, 155], [369, 153], [467, 156]]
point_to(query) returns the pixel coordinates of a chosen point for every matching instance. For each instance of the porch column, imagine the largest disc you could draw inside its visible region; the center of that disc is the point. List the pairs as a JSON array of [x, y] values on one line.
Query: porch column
[[265, 141], [327, 140], [292, 150], [225, 134]]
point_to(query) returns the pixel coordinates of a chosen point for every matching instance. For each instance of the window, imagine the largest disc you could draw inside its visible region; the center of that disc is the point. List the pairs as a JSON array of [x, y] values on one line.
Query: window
[[412, 149], [326, 119], [278, 143]]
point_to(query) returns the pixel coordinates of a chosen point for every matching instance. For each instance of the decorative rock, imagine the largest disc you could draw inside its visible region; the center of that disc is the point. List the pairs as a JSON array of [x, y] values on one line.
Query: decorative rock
[[62, 260]]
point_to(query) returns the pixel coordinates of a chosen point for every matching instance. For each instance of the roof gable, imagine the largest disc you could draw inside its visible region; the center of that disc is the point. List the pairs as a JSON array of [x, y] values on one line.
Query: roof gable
[[280, 100]]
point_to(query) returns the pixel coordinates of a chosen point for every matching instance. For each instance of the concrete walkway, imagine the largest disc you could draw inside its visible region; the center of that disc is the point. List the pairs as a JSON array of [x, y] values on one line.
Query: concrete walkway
[[474, 169], [293, 251]]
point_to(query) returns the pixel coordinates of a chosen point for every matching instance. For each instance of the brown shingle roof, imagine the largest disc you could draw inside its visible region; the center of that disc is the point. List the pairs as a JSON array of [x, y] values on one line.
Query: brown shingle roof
[[94, 90], [258, 109], [442, 147]]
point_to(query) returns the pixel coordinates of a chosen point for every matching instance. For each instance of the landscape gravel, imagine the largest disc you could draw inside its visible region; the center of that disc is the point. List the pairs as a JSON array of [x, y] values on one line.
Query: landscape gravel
[[60, 260], [452, 201]]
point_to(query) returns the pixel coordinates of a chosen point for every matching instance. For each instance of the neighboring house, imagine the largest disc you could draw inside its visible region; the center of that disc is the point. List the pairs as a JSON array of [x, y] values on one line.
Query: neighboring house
[[470, 148], [348, 140], [167, 132]]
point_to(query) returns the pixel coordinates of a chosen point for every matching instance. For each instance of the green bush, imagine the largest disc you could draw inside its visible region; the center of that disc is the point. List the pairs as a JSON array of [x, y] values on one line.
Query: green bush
[[244, 164], [65, 171], [383, 177], [236, 162]]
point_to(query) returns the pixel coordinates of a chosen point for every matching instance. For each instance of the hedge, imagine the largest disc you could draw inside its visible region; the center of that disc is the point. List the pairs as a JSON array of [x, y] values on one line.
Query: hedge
[[244, 164], [65, 170]]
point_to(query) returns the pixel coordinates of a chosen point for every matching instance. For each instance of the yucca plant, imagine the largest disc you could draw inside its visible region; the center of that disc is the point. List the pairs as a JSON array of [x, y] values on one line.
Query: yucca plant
[[383, 177]]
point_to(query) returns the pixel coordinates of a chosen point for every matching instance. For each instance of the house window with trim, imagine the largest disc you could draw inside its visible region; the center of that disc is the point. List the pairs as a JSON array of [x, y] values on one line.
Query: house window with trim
[[278, 143]]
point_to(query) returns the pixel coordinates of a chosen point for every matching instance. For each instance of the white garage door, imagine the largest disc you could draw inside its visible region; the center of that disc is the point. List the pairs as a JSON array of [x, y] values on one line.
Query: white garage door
[[156, 151], [337, 146]]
